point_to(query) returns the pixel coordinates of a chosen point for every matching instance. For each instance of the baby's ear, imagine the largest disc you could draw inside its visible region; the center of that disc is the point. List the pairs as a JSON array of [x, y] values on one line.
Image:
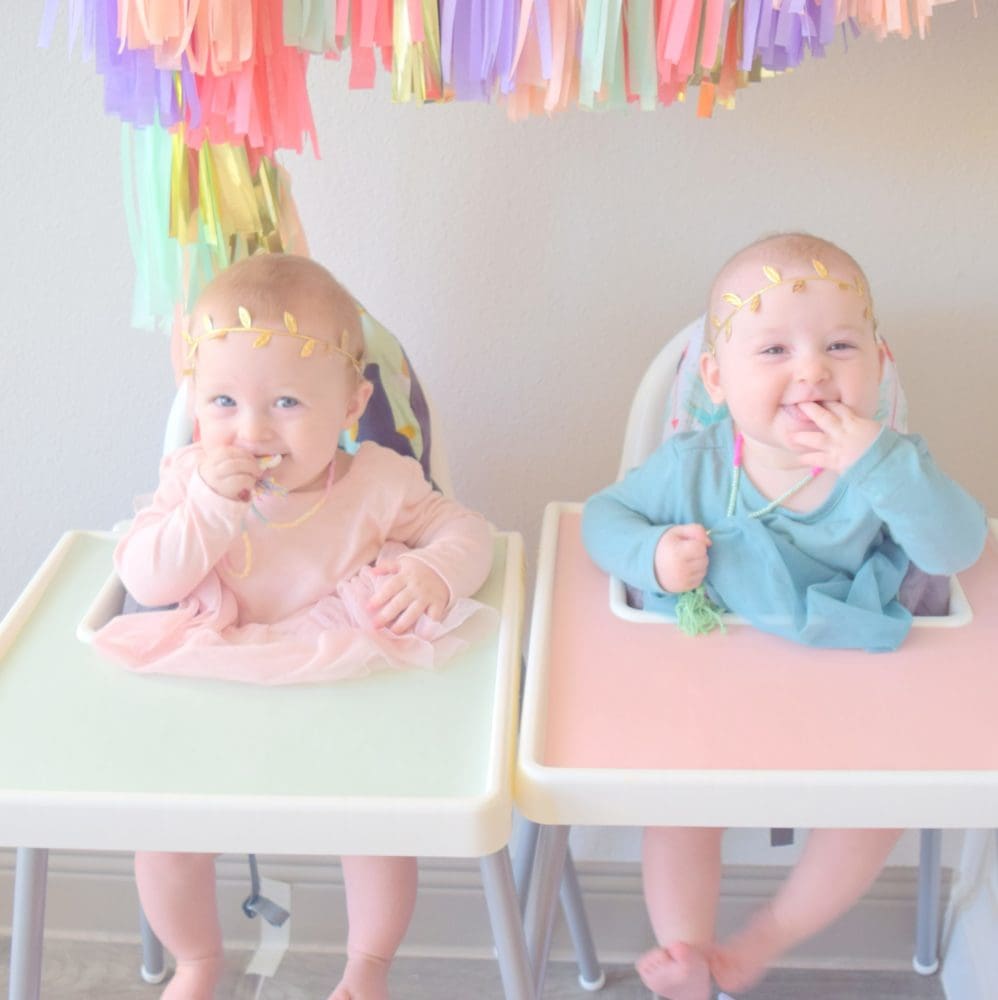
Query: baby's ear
[[710, 375], [358, 403]]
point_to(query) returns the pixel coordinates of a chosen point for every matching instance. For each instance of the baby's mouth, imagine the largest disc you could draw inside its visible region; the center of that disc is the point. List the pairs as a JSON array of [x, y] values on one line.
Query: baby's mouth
[[268, 462], [796, 413]]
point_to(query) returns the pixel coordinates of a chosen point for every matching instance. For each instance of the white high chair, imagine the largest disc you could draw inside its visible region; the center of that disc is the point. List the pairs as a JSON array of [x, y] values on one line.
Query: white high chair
[[593, 751], [457, 724]]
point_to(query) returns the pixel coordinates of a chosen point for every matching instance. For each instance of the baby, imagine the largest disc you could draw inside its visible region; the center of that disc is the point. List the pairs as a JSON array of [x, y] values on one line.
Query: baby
[[288, 560], [802, 514]]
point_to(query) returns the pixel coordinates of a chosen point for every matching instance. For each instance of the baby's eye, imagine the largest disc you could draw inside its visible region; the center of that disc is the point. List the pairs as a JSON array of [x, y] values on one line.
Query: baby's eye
[[841, 345], [773, 350], [222, 401], [286, 402]]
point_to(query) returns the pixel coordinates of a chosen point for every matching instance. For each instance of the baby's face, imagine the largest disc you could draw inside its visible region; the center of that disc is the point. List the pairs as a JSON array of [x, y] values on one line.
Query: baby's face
[[273, 403], [816, 344]]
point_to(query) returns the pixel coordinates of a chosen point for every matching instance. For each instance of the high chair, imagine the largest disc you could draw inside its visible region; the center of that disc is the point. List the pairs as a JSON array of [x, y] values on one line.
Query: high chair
[[603, 741], [400, 763]]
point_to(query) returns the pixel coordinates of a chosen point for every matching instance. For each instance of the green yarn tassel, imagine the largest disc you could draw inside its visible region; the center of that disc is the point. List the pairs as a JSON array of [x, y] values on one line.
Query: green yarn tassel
[[697, 614]]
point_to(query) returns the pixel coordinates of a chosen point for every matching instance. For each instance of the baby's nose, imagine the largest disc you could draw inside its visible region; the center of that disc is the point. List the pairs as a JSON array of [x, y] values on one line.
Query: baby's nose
[[253, 428], [813, 368]]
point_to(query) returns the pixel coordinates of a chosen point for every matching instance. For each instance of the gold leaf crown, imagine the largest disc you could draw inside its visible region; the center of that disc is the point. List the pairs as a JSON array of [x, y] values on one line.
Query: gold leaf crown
[[753, 301], [310, 346]]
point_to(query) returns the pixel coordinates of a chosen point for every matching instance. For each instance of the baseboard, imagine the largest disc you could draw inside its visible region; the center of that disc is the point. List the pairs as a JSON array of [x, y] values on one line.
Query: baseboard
[[92, 896]]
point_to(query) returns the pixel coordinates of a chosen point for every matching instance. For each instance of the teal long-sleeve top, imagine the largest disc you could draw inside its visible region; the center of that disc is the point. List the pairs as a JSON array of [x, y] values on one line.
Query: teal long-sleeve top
[[827, 577]]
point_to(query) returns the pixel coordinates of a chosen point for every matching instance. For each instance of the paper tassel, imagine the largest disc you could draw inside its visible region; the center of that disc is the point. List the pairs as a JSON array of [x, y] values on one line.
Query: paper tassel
[[416, 74], [243, 62], [264, 103]]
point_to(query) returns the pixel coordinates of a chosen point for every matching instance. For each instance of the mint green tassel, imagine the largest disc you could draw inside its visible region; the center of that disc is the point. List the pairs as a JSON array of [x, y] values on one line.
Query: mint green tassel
[[697, 614]]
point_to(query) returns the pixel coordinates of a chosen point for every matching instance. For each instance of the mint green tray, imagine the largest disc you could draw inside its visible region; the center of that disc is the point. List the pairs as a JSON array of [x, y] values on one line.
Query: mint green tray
[[93, 756]]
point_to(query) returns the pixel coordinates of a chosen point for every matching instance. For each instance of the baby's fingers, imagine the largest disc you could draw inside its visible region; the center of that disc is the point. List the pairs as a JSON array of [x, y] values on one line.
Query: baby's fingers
[[821, 414], [691, 532], [392, 608], [408, 618], [386, 591]]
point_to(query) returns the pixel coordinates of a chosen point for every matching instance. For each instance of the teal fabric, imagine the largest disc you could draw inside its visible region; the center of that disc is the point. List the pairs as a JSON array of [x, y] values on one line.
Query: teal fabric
[[828, 577]]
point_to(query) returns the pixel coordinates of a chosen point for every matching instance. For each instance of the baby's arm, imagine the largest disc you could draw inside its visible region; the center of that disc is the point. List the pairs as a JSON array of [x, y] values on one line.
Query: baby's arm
[[940, 526], [629, 533], [450, 554], [174, 543]]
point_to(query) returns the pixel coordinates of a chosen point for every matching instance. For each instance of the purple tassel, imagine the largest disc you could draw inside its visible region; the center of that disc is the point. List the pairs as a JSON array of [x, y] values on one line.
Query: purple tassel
[[134, 88]]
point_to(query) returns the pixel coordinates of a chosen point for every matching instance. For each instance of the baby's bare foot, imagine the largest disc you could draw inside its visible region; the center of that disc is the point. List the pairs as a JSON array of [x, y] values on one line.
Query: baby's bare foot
[[364, 978], [741, 961], [194, 980], [679, 972]]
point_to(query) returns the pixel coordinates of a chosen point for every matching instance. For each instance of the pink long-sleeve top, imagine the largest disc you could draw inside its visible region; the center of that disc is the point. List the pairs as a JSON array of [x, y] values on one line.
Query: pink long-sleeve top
[[299, 613]]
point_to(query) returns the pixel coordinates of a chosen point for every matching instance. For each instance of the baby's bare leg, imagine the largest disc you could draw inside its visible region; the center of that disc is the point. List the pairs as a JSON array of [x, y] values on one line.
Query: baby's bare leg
[[835, 870], [682, 876], [177, 892], [381, 895]]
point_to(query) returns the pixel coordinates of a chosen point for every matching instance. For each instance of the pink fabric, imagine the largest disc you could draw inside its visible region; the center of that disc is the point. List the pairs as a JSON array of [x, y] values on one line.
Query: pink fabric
[[300, 614]]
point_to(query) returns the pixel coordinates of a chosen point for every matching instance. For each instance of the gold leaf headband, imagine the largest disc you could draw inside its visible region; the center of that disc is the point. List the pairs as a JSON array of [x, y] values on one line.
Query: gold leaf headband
[[753, 301], [264, 335]]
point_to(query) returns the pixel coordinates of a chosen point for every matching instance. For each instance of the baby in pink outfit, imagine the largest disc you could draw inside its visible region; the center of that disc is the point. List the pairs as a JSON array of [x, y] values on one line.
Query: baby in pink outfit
[[289, 560]]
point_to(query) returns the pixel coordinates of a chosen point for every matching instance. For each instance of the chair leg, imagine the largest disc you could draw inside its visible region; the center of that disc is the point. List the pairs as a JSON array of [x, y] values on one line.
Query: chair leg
[[507, 926], [523, 848], [153, 968], [545, 880], [926, 960], [28, 925], [591, 976]]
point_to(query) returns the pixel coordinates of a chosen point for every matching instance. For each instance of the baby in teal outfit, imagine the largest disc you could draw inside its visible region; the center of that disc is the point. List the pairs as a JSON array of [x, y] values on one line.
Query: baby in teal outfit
[[801, 513]]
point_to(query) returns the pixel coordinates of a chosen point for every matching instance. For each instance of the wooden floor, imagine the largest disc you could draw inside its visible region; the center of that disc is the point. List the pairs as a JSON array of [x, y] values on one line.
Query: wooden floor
[[75, 970]]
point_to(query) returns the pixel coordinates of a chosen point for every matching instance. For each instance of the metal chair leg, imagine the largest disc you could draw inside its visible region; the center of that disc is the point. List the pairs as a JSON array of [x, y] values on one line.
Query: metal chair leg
[[542, 900], [153, 968], [28, 924], [507, 926], [926, 960], [522, 849], [591, 976]]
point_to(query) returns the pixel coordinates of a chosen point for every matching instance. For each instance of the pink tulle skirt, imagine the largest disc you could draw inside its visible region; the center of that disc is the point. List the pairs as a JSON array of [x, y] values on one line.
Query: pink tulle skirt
[[333, 639]]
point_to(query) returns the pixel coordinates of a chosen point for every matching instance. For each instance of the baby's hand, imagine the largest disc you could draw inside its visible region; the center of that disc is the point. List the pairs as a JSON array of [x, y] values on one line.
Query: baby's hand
[[840, 439], [410, 590], [230, 472], [681, 557]]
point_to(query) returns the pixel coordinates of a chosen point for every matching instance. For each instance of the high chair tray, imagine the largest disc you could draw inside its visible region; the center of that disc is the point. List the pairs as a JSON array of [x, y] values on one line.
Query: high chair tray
[[623, 724], [93, 756]]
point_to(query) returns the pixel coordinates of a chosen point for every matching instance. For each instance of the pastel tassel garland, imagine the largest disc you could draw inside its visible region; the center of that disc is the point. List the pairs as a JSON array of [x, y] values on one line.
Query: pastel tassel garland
[[210, 90]]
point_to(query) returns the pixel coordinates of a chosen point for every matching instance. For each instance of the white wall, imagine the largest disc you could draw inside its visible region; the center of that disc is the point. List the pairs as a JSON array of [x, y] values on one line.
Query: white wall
[[532, 270]]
